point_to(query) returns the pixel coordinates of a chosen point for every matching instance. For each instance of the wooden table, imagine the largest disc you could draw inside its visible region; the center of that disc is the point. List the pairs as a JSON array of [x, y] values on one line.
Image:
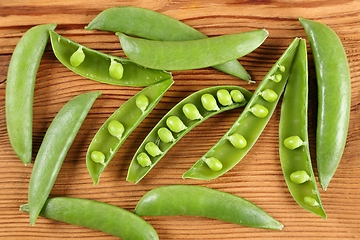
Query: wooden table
[[257, 178]]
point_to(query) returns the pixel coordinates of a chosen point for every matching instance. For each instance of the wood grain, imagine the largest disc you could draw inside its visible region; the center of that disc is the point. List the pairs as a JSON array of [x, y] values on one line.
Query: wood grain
[[257, 178]]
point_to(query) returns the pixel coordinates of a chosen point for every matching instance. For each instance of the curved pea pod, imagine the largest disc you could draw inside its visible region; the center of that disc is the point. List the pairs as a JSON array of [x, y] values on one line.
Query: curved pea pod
[[191, 54], [56, 143], [103, 67], [20, 83], [293, 137], [334, 97], [176, 123], [115, 130], [149, 24], [187, 200], [249, 125], [96, 215]]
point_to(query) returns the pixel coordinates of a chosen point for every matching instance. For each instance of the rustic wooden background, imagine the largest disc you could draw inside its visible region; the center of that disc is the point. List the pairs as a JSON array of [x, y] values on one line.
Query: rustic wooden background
[[257, 178]]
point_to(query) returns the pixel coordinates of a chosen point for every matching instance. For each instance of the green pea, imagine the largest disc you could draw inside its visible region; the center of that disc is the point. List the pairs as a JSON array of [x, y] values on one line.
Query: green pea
[[165, 135], [311, 201], [276, 77], [213, 163], [209, 102], [281, 68], [116, 128], [191, 111], [116, 69], [224, 97], [237, 140], [143, 159], [269, 95], [299, 177], [97, 157], [77, 57], [142, 102], [153, 149], [259, 111], [175, 124], [237, 96], [293, 142]]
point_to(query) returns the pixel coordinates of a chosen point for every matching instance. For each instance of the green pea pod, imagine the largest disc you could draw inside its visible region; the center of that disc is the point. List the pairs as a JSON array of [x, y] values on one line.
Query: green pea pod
[[192, 54], [20, 83], [53, 149], [176, 123], [250, 123], [200, 201], [103, 67], [295, 160], [334, 97], [97, 215], [149, 24], [109, 137]]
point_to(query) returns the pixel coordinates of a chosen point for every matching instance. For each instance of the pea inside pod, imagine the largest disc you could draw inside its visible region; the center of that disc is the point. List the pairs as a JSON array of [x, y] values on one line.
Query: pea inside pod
[[183, 117]]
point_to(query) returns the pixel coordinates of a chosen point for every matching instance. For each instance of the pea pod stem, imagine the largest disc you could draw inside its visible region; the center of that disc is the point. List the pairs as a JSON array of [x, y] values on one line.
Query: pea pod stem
[[20, 81], [334, 97], [96, 215], [53, 149], [150, 25]]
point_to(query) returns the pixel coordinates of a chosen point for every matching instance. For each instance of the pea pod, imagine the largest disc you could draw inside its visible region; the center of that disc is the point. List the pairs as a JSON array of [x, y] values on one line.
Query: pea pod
[[20, 83], [293, 136], [149, 24], [200, 201], [249, 124], [334, 97], [96, 215], [119, 126], [192, 54], [53, 149], [103, 67], [176, 123]]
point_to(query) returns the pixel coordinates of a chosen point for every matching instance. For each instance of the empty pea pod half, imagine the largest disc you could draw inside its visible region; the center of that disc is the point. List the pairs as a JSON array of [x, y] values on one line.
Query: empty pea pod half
[[97, 215], [188, 200], [178, 121], [245, 131], [149, 24], [293, 137], [103, 67], [119, 126]]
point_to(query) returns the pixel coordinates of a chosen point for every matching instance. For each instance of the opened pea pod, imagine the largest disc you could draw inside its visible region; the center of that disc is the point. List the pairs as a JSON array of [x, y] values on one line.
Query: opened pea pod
[[103, 67], [177, 122], [243, 134], [119, 126]]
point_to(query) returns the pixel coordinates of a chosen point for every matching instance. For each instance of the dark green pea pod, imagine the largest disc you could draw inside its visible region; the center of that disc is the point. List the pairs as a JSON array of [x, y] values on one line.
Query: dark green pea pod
[[192, 54], [103, 67], [176, 123], [20, 83], [115, 130], [250, 123], [97, 215], [187, 200], [334, 97], [54, 147], [295, 155], [146, 23]]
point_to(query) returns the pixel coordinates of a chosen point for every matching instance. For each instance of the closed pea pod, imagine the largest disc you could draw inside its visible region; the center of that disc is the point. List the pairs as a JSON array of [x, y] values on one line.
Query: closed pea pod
[[20, 81], [334, 97], [136, 172], [115, 130], [249, 124], [293, 137], [97, 215], [204, 202], [103, 67], [149, 24], [53, 149]]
